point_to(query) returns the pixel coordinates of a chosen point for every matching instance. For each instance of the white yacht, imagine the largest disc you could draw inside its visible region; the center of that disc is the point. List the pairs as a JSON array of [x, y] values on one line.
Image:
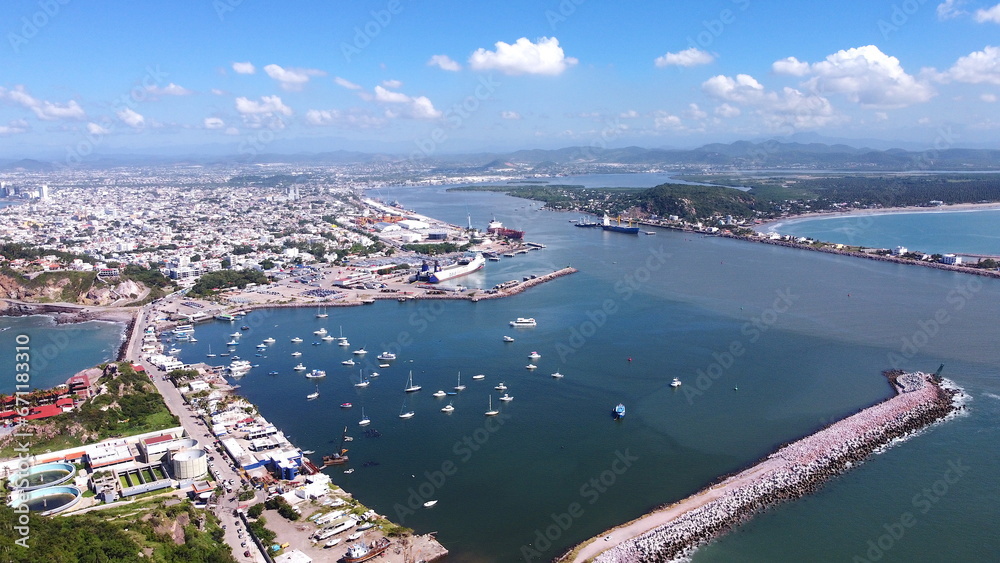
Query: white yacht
[[327, 338], [675, 383], [501, 387], [439, 393], [296, 354], [299, 367], [506, 398], [365, 421], [268, 340], [508, 338], [478, 377], [523, 322], [348, 362], [557, 375], [296, 340], [448, 408], [534, 355], [530, 366], [460, 387], [387, 356], [320, 332], [360, 352], [316, 373]]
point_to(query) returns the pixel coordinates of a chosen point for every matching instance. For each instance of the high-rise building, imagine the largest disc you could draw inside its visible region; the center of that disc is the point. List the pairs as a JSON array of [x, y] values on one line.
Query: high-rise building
[[44, 194]]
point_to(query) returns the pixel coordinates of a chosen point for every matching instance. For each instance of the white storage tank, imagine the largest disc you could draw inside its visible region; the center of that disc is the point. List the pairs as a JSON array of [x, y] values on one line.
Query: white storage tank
[[190, 463]]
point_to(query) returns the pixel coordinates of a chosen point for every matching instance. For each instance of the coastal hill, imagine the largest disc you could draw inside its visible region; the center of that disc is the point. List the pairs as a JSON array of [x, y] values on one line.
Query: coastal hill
[[82, 288]]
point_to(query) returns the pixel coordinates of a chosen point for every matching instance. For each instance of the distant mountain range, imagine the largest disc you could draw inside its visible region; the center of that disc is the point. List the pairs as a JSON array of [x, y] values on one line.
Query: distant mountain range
[[770, 154]]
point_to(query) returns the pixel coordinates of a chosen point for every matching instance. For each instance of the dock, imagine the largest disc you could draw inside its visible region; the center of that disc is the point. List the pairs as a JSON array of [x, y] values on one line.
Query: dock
[[794, 470]]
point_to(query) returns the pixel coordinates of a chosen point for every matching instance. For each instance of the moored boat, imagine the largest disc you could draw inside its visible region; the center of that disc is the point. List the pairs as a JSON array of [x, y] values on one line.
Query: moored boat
[[619, 412]]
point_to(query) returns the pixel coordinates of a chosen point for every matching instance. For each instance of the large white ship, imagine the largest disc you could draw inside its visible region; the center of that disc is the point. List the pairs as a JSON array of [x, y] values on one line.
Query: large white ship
[[462, 267]]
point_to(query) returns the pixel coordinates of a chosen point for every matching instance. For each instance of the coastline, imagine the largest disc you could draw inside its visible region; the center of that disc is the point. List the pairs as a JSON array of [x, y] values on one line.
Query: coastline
[[792, 471], [771, 224]]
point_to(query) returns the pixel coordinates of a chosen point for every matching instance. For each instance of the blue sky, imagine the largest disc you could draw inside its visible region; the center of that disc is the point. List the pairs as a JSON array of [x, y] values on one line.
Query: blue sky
[[443, 76]]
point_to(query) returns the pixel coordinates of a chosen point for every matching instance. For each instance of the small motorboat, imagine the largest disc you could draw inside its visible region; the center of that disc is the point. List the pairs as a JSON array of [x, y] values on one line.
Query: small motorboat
[[530, 366], [430, 503], [557, 375], [501, 387], [675, 383], [439, 393], [505, 398], [346, 405], [508, 339], [478, 377]]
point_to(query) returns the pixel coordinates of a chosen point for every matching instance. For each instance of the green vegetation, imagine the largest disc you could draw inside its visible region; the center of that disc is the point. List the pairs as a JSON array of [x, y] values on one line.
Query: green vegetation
[[281, 505], [259, 529], [72, 284], [246, 495], [130, 406], [256, 510], [15, 251], [150, 277], [212, 282], [434, 249], [137, 532]]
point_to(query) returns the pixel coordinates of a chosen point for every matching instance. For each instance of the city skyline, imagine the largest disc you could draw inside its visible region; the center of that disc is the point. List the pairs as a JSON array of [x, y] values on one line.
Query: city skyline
[[228, 76]]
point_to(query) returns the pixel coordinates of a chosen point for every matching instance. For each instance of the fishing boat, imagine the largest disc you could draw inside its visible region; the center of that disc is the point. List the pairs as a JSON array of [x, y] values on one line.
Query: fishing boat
[[316, 374], [501, 387], [314, 394], [296, 340], [344, 343], [506, 398], [299, 367], [360, 552], [523, 322], [439, 393], [410, 387], [340, 456], [348, 362], [675, 383], [478, 377], [557, 375], [365, 421], [619, 412], [507, 339], [459, 387], [448, 408], [492, 412], [386, 356]]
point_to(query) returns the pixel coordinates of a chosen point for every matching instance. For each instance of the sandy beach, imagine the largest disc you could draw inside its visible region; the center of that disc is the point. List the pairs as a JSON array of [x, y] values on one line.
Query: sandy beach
[[772, 224]]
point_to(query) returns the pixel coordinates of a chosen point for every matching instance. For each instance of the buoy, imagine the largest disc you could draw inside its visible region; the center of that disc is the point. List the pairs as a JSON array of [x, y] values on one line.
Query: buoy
[[630, 359]]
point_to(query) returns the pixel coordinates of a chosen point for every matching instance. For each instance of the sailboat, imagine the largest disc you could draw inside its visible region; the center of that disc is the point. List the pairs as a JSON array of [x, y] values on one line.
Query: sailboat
[[365, 421], [314, 394], [410, 387], [403, 413], [361, 379], [321, 314], [459, 387], [209, 354], [492, 412]]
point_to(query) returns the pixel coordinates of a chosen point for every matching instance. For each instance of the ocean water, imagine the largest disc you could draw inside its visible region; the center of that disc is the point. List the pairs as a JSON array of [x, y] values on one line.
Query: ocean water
[[933, 232], [770, 343], [56, 351]]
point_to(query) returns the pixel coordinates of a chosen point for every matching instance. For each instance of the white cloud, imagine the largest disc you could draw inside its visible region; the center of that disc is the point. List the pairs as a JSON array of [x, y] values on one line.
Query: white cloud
[[218, 92], [14, 127], [131, 118], [950, 9], [523, 57], [688, 57], [346, 83], [788, 108], [244, 68], [383, 95], [630, 114], [96, 129], [988, 98], [924, 121], [418, 108], [213, 123], [790, 65], [267, 104], [44, 110], [868, 76], [232, 131], [665, 120], [292, 79], [726, 110], [510, 115], [349, 119], [991, 15], [395, 84], [695, 112], [976, 67], [881, 116], [169, 90], [444, 62]]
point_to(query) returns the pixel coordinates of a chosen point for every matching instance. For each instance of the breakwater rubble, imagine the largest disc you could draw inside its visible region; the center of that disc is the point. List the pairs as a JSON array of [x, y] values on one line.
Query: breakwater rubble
[[792, 471]]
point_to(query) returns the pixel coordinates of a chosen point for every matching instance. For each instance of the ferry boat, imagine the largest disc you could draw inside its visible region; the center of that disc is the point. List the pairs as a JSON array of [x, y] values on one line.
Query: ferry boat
[[225, 317], [619, 411], [363, 552], [463, 266], [183, 329], [386, 356], [316, 374], [522, 322]]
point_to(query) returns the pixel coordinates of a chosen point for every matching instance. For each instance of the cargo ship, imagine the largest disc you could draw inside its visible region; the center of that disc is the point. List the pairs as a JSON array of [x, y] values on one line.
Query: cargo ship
[[463, 266], [496, 228], [618, 228]]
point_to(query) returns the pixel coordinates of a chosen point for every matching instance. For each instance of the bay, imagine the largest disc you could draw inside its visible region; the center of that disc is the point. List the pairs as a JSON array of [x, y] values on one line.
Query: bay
[[771, 344]]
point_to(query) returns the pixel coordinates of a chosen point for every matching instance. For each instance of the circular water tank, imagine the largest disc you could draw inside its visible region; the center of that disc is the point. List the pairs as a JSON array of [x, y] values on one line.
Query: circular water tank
[[189, 464]]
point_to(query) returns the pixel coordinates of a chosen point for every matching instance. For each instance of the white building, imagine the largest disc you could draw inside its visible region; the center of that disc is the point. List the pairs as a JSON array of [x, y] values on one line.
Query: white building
[[899, 251], [951, 259]]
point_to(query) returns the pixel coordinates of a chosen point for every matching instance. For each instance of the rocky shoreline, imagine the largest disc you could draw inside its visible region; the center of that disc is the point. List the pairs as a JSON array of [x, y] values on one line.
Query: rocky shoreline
[[793, 471]]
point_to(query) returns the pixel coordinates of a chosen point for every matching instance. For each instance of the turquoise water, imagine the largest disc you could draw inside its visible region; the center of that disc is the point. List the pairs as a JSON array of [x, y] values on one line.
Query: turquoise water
[[975, 232], [802, 335], [56, 351]]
